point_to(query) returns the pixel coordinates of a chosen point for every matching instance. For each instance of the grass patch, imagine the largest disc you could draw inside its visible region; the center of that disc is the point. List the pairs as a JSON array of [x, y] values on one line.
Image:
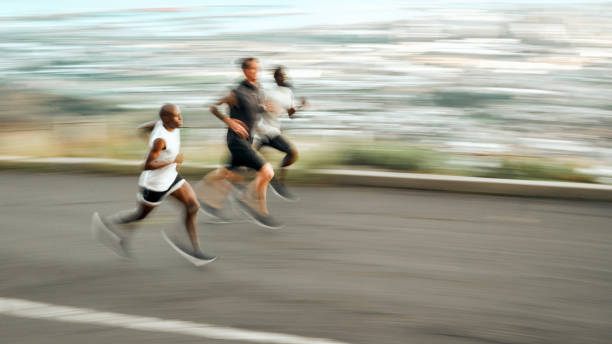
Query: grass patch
[[405, 158], [124, 143], [536, 170], [392, 157]]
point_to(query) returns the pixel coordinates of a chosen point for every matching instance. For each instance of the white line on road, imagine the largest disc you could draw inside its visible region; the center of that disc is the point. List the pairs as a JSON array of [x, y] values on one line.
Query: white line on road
[[38, 310]]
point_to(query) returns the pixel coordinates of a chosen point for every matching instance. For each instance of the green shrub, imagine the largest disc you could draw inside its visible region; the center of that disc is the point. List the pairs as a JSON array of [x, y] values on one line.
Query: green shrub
[[391, 157], [537, 170]]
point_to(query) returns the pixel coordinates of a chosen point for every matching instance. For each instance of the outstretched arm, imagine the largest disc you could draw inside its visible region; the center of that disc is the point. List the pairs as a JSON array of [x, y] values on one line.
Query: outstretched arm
[[146, 128], [152, 163], [234, 124], [292, 110]]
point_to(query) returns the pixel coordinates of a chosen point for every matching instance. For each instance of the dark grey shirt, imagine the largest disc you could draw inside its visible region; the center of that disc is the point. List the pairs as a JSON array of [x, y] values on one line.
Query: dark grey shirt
[[249, 108]]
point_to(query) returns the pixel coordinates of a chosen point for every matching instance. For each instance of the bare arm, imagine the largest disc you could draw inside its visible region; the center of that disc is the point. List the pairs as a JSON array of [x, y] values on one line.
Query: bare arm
[[146, 128], [235, 125], [292, 110], [152, 164]]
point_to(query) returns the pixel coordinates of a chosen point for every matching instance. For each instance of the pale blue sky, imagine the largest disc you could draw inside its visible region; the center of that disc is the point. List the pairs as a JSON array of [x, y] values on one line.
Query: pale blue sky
[[245, 15], [38, 7]]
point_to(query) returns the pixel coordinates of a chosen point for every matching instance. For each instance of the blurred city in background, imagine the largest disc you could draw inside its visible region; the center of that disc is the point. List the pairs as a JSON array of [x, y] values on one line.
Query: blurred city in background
[[516, 89]]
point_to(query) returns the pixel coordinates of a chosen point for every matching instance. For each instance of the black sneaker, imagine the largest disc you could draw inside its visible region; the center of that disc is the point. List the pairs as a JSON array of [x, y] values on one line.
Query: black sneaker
[[264, 221], [213, 212], [281, 190]]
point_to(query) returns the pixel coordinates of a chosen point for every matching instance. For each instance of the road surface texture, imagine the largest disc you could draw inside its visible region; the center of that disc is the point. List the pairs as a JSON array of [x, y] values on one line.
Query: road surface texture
[[352, 265]]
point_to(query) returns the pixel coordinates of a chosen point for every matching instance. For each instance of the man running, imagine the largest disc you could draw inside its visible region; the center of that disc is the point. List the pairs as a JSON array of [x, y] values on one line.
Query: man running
[[246, 103], [158, 179], [280, 100]]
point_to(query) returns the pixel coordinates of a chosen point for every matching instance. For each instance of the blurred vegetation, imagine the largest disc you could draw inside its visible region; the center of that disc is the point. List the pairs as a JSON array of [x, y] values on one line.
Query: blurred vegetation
[[86, 128], [406, 158], [388, 156], [21, 104], [536, 170], [392, 157]]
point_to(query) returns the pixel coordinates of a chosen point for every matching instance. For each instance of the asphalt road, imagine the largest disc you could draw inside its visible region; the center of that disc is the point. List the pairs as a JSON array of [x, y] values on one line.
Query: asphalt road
[[356, 265]]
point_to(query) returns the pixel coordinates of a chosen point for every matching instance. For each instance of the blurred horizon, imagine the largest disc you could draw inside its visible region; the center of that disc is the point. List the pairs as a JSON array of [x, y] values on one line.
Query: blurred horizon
[[513, 78]]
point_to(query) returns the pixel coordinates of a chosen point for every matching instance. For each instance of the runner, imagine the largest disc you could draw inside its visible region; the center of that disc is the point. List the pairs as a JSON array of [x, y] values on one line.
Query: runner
[[246, 103], [158, 179], [281, 102]]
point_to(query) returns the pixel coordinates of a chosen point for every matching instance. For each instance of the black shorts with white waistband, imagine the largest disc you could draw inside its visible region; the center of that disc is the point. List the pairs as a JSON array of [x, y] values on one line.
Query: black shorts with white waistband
[[154, 198]]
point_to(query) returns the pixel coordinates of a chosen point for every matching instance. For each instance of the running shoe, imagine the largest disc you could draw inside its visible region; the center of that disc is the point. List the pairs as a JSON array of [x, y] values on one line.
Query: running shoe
[[197, 258], [264, 221], [213, 212], [282, 191], [109, 236]]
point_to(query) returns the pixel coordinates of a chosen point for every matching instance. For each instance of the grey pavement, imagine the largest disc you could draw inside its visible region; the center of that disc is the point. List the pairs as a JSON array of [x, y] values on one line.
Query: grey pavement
[[354, 264]]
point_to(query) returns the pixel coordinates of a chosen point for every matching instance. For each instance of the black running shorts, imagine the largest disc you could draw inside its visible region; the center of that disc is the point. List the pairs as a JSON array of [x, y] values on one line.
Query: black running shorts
[[243, 154], [151, 197], [278, 142]]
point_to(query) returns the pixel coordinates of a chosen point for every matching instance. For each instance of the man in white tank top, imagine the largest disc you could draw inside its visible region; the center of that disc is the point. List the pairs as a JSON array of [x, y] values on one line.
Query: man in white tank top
[[280, 102], [159, 179]]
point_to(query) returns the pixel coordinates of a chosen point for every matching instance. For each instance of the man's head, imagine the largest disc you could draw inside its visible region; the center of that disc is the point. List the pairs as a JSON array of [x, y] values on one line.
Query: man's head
[[280, 77], [170, 114], [250, 68]]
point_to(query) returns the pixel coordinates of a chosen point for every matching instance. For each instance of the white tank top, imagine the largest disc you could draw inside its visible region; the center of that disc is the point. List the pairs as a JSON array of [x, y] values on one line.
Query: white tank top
[[160, 179], [269, 124]]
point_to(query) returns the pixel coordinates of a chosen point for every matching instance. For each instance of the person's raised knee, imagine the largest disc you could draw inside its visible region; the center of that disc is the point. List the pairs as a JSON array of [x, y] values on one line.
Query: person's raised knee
[[267, 172], [292, 156]]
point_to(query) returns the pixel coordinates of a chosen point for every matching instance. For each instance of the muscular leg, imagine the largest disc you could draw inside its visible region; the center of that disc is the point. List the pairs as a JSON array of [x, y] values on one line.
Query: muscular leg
[[114, 224], [187, 196], [282, 144], [219, 185], [288, 160], [134, 215], [214, 187], [257, 188]]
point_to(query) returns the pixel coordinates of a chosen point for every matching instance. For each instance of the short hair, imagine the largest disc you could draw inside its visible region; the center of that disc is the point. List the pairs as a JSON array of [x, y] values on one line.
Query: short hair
[[244, 63], [166, 109], [278, 71]]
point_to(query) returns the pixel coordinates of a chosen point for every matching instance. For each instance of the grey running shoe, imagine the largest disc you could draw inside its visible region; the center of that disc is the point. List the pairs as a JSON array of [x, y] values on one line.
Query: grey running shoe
[[197, 258], [203, 256], [109, 235], [211, 211], [238, 187], [237, 191], [281, 190], [264, 221]]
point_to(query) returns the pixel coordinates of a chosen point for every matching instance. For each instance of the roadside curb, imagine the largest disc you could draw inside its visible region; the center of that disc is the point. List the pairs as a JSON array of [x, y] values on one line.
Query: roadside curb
[[512, 187]]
